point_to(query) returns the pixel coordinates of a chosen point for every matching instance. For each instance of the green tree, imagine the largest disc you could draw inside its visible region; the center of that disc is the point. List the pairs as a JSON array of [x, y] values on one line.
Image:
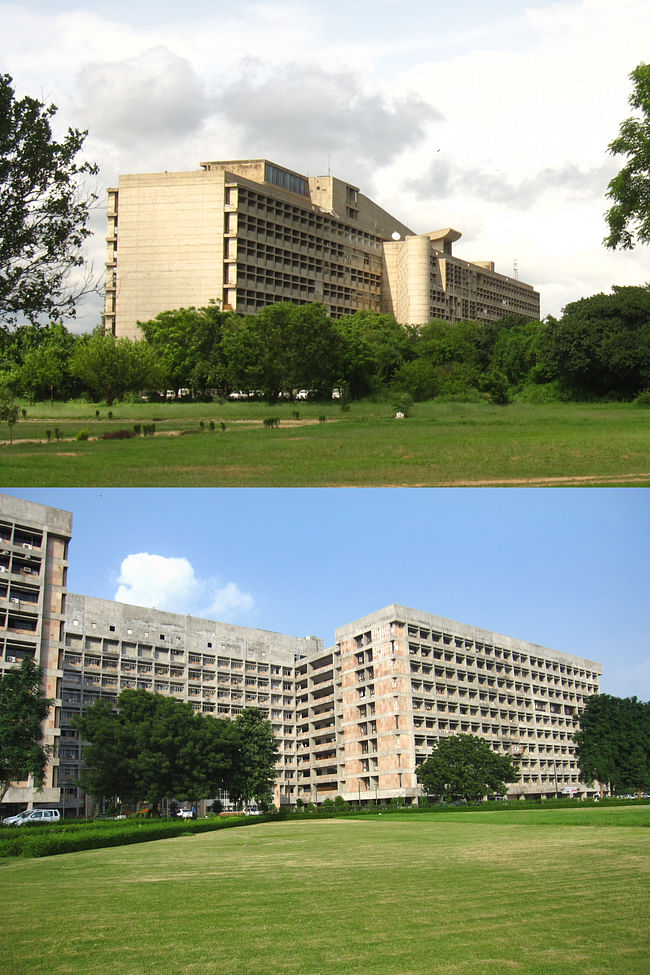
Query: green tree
[[373, 347], [111, 367], [43, 210], [516, 352], [285, 347], [9, 411], [44, 369], [151, 747], [23, 708], [257, 754], [629, 214], [187, 343], [613, 742], [601, 345], [465, 767]]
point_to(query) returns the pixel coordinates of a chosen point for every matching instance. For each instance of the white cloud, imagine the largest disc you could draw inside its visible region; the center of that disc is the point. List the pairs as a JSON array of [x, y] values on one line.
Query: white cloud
[[153, 97], [171, 584], [297, 107]]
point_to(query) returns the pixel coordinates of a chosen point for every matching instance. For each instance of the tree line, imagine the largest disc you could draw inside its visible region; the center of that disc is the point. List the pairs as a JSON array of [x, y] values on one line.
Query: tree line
[[598, 349], [150, 747]]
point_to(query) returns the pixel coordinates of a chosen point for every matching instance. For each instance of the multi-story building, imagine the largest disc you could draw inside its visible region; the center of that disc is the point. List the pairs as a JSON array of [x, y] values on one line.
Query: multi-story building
[[219, 668], [33, 568], [249, 233], [355, 719], [409, 678]]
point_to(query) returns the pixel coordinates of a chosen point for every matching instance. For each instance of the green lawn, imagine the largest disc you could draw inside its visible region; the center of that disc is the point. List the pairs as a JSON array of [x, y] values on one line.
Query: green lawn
[[450, 894], [441, 444]]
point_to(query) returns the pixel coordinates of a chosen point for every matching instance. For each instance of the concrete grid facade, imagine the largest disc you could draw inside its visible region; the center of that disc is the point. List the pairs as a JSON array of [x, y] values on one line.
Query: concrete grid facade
[[353, 720], [249, 233]]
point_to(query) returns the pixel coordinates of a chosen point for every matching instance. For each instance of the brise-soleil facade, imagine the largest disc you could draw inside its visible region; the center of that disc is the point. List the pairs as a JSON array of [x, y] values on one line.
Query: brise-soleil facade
[[249, 233], [354, 719]]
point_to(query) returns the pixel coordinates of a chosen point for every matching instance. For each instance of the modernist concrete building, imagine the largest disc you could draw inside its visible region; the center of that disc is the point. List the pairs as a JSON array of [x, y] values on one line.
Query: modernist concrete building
[[248, 233], [33, 568], [353, 720]]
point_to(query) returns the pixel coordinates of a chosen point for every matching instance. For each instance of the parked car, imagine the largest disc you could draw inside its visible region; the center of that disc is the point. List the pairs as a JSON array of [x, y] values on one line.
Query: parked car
[[11, 820], [185, 814], [36, 817]]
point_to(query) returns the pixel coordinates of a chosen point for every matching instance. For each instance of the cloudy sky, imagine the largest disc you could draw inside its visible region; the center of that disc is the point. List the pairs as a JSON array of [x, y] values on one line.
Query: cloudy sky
[[567, 569], [493, 118]]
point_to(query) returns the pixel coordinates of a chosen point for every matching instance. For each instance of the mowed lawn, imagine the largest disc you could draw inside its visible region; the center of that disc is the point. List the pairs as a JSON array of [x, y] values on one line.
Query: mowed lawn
[[464, 893], [441, 444]]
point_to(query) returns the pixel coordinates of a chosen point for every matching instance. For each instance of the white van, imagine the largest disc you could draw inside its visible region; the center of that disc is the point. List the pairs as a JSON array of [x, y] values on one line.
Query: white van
[[35, 817]]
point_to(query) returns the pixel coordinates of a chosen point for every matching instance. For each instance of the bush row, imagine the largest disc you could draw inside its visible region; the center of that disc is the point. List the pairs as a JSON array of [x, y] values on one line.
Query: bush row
[[71, 837]]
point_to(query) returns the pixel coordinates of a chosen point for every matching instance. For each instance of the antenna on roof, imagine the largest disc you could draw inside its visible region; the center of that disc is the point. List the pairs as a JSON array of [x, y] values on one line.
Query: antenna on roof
[[329, 164], [515, 269]]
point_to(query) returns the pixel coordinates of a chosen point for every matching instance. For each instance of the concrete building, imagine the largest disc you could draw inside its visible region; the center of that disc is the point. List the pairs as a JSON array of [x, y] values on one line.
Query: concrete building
[[33, 568], [353, 720], [249, 233], [409, 678]]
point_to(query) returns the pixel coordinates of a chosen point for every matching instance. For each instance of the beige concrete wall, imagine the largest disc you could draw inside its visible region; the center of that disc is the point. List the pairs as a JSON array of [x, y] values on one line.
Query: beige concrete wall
[[169, 245]]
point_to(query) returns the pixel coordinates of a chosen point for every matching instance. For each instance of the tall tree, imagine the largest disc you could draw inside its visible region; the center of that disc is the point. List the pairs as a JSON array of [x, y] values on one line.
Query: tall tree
[[373, 347], [297, 346], [601, 345], [23, 708], [257, 754], [43, 210], [111, 367], [465, 767], [44, 369], [9, 410], [188, 345], [630, 188], [151, 747], [614, 742]]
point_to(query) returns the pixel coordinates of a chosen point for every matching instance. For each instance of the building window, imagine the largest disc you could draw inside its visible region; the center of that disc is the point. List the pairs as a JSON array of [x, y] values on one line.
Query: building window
[[288, 181]]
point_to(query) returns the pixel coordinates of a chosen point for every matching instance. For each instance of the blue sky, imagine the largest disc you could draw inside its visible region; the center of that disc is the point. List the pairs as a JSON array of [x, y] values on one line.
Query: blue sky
[[564, 568], [492, 118]]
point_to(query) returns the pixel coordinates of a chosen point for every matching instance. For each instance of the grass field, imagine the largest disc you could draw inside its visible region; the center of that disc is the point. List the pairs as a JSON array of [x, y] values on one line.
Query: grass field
[[441, 444], [449, 894]]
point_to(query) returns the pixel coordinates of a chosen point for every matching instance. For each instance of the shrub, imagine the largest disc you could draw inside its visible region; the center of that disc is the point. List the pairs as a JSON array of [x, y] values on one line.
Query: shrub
[[643, 399], [83, 435], [271, 422], [119, 435], [402, 403]]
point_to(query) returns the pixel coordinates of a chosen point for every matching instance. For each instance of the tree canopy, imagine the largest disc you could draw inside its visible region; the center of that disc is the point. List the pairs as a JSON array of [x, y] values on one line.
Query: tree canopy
[[256, 757], [23, 708], [601, 345], [465, 767], [43, 210], [629, 214], [111, 367], [152, 747], [613, 742]]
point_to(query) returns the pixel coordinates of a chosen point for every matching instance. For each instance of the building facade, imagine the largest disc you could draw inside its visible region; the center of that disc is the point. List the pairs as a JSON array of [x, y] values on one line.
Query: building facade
[[354, 719], [249, 233], [33, 576]]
